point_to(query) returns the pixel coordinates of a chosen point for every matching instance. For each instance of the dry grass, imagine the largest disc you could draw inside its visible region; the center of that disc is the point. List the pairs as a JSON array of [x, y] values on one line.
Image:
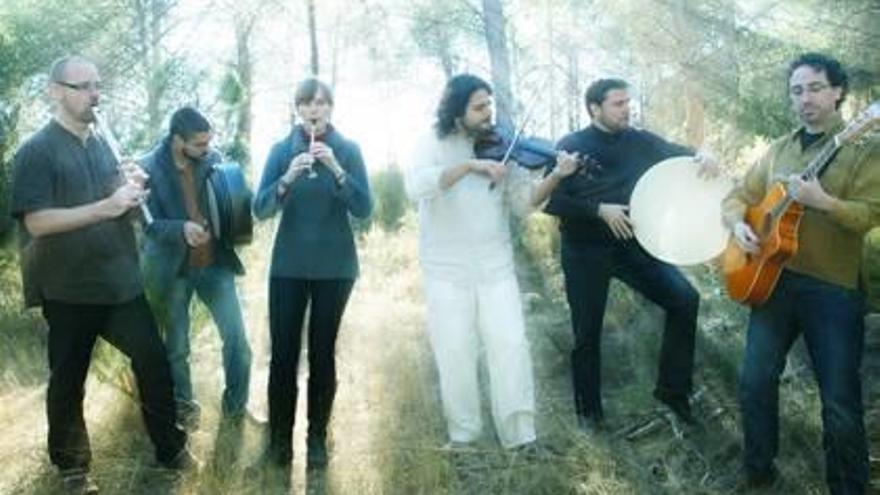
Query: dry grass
[[388, 429]]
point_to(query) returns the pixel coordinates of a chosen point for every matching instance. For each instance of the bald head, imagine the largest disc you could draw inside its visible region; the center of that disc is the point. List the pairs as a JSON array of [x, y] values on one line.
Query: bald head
[[75, 86], [59, 69]]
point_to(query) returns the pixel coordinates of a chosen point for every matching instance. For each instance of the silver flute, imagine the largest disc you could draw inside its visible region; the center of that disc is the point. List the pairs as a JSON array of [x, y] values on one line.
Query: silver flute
[[113, 144]]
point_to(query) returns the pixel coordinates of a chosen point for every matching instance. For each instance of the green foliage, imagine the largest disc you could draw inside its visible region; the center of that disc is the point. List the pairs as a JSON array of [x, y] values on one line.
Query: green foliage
[[8, 136], [237, 151], [231, 92], [437, 28], [390, 203], [389, 198], [871, 267]]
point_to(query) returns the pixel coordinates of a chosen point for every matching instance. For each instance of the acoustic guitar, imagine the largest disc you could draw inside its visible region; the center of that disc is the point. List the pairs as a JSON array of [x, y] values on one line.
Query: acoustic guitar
[[751, 278]]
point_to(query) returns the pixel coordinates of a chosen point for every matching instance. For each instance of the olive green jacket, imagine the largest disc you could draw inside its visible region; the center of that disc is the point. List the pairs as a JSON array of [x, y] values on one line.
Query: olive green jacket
[[829, 243]]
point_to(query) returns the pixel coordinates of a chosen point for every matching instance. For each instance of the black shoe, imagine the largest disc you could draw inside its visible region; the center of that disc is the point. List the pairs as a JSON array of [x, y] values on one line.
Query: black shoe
[[271, 472], [535, 450], [269, 460], [183, 461], [770, 479], [78, 482], [591, 424], [679, 405], [767, 482], [316, 452]]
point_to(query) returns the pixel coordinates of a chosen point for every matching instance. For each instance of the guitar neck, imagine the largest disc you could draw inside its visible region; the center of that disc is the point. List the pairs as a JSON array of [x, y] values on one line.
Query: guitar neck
[[820, 163], [817, 166]]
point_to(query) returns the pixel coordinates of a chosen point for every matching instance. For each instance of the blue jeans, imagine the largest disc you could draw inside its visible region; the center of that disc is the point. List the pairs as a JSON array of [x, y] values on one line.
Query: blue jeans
[[215, 286], [831, 319]]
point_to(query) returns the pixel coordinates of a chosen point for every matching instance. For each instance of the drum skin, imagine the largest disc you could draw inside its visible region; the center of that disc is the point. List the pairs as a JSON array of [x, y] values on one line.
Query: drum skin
[[676, 215]]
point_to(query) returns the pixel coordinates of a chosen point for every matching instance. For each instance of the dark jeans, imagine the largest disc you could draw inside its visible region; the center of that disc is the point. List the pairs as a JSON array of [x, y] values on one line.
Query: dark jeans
[[288, 299], [831, 319], [129, 327], [588, 268]]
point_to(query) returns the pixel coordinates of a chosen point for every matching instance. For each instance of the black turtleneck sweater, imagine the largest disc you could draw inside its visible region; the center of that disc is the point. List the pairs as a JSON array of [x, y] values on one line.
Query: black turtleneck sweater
[[618, 161]]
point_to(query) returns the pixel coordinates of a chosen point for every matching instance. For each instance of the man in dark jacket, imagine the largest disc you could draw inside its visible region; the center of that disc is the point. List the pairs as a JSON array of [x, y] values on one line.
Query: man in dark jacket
[[182, 258], [598, 244]]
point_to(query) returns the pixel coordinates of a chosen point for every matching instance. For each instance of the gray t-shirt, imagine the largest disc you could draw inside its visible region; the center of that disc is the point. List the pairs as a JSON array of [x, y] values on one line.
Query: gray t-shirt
[[96, 264]]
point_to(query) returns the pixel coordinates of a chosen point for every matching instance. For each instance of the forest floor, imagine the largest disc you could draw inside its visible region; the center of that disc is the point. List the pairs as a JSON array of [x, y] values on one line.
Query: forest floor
[[388, 433]]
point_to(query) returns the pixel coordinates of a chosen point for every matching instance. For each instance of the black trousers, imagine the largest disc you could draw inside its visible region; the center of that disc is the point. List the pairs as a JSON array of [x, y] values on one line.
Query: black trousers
[[130, 328], [588, 268], [288, 299]]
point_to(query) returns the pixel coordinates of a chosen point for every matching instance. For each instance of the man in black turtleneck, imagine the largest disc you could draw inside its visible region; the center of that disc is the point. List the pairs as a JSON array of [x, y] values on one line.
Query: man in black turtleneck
[[598, 244]]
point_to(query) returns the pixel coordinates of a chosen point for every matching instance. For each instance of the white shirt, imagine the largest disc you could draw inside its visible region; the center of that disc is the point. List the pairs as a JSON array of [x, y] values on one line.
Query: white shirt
[[464, 230]]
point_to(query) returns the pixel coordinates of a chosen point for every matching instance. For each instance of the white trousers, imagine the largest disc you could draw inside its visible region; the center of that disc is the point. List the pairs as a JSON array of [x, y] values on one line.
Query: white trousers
[[460, 315]]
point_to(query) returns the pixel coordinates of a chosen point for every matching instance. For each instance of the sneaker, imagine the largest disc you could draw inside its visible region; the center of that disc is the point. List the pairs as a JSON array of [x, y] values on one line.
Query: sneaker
[[189, 420], [679, 405], [246, 416], [78, 482], [316, 452], [183, 461]]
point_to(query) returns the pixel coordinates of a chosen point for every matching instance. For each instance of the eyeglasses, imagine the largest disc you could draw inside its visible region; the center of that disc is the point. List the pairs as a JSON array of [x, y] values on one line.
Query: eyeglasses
[[810, 88], [82, 86]]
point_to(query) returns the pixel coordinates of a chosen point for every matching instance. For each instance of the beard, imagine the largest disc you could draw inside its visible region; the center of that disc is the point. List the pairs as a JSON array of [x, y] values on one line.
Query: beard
[[192, 156], [87, 116], [477, 130], [615, 125]]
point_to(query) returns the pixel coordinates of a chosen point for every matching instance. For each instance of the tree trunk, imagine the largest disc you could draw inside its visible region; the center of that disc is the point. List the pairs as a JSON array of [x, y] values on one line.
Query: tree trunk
[[494, 25], [695, 114], [313, 36], [155, 78], [244, 67]]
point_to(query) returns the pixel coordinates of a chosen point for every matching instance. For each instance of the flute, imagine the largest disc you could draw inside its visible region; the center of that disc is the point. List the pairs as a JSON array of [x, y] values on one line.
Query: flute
[[113, 144], [312, 124]]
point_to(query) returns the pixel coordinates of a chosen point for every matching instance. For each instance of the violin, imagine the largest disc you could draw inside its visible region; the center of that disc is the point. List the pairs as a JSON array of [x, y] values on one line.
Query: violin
[[532, 153]]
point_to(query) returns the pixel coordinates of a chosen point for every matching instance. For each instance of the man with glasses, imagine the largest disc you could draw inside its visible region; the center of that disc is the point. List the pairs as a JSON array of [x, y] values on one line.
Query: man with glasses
[[80, 264], [817, 294]]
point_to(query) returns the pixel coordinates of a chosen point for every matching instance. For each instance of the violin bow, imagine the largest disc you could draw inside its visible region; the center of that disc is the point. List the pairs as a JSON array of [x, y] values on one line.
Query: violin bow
[[516, 136], [522, 127]]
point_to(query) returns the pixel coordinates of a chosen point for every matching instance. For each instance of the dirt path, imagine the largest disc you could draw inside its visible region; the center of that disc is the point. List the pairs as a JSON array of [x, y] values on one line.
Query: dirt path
[[387, 431]]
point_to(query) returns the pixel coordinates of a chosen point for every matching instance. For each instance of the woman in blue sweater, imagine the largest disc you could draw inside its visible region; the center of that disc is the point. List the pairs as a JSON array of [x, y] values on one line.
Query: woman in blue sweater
[[316, 178]]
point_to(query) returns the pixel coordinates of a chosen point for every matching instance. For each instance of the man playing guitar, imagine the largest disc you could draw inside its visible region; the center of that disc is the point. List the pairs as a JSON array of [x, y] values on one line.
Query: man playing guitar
[[817, 291]]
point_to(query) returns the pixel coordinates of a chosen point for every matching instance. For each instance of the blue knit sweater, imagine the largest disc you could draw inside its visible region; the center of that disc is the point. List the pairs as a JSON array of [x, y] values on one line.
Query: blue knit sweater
[[314, 239]]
